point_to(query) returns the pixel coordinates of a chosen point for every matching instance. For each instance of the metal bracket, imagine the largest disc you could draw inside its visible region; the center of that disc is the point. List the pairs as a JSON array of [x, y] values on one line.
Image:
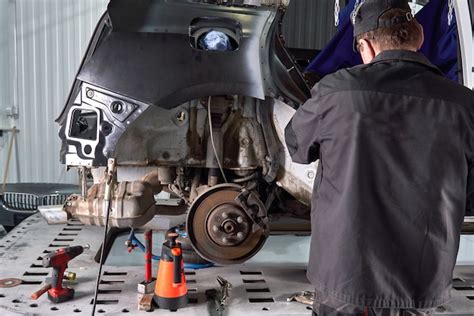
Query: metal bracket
[[225, 290], [264, 116], [110, 177], [254, 209], [12, 112], [218, 299]]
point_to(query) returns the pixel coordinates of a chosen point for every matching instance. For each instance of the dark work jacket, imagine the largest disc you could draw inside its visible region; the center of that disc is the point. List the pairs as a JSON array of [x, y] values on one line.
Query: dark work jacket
[[395, 141]]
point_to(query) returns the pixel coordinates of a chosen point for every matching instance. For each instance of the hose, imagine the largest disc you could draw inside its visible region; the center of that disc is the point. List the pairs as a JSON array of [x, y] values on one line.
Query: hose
[[191, 266], [211, 135], [245, 179]]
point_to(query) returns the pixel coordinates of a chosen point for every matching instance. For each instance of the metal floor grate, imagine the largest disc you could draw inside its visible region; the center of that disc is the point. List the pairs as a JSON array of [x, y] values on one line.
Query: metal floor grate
[[257, 290]]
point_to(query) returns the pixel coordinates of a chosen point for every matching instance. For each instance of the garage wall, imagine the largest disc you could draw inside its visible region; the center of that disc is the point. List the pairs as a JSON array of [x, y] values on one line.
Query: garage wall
[[5, 84], [42, 43], [44, 40], [309, 24]]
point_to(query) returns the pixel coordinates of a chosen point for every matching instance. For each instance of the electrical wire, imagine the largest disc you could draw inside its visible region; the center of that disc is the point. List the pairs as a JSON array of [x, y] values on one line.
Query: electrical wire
[[102, 252], [212, 139]]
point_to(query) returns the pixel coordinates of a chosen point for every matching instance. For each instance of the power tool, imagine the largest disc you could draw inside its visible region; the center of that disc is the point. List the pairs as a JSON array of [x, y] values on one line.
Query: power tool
[[68, 276], [58, 260], [170, 291]]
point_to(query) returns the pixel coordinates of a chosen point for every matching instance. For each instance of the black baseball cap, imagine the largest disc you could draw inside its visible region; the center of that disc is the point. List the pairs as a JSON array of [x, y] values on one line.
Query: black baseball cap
[[366, 16]]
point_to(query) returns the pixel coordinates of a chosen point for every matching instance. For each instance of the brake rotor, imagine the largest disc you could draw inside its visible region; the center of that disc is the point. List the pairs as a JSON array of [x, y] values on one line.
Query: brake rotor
[[7, 283], [220, 230]]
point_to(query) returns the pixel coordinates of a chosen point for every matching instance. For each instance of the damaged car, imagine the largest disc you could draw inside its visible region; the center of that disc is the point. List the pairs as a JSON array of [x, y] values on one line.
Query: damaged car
[[191, 99]]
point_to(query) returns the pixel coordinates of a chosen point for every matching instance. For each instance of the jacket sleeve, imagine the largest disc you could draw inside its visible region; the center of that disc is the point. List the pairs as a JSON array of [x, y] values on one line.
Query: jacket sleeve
[[301, 133], [470, 191], [470, 175]]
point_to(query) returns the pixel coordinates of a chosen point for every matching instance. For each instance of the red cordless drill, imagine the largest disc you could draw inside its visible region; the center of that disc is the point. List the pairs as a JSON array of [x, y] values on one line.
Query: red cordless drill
[[58, 260]]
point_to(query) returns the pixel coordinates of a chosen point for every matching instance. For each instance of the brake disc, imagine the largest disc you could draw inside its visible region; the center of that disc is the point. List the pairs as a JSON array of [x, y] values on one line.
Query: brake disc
[[220, 230]]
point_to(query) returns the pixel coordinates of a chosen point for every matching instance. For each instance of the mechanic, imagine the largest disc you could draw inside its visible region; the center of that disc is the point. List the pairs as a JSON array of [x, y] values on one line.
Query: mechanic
[[395, 140]]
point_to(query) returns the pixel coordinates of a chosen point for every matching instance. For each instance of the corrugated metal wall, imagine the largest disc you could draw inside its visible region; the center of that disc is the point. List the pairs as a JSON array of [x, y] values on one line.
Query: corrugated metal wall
[[51, 37], [309, 23], [45, 41], [5, 69]]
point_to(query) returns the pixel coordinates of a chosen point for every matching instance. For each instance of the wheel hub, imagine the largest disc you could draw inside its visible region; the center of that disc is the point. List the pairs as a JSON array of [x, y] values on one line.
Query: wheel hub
[[228, 225]]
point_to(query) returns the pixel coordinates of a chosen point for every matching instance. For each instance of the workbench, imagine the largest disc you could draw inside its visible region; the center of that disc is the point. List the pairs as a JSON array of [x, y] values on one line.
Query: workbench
[[261, 286]]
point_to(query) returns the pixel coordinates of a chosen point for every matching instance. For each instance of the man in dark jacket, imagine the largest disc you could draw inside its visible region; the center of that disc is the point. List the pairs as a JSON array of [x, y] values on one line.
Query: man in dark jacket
[[395, 143]]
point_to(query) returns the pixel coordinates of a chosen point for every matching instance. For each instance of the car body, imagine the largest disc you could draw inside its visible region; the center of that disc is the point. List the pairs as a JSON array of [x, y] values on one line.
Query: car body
[[191, 98]]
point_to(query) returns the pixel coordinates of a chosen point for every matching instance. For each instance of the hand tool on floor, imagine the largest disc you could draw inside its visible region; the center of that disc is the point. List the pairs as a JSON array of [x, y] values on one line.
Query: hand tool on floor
[[213, 306], [171, 292], [69, 276], [59, 260], [304, 297], [225, 290], [145, 302], [218, 299]]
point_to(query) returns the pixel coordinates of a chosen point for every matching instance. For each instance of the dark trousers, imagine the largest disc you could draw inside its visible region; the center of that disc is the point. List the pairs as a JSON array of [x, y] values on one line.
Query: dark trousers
[[331, 307]]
